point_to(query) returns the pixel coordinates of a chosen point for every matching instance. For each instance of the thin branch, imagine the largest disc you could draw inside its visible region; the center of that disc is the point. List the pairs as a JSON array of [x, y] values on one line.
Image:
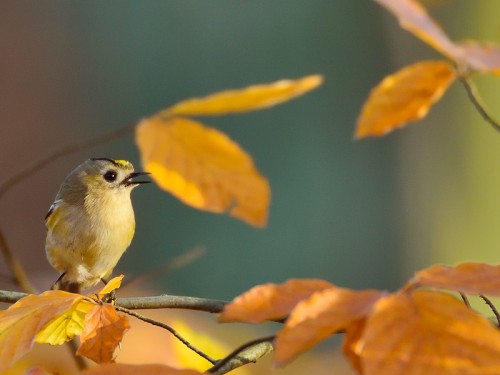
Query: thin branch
[[22, 174], [249, 352], [168, 328], [476, 99], [171, 302], [492, 307], [20, 277]]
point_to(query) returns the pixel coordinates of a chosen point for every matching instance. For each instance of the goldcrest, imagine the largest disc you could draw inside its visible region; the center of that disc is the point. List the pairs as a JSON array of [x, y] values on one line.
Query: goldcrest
[[91, 222]]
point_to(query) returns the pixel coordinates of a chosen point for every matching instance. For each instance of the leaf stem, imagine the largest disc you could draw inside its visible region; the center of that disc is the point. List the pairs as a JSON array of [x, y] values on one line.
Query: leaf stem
[[168, 328]]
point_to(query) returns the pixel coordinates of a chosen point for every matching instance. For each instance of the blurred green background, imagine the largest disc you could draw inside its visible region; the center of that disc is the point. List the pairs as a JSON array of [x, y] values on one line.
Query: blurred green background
[[363, 214]]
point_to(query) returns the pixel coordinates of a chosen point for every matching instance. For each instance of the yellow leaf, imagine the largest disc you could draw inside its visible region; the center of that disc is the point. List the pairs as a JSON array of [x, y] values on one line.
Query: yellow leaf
[[470, 278], [66, 326], [203, 168], [103, 332], [404, 96], [23, 320], [247, 99], [113, 284]]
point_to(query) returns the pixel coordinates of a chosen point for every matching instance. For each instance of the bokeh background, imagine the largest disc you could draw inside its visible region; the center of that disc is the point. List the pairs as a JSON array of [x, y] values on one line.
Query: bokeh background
[[361, 214]]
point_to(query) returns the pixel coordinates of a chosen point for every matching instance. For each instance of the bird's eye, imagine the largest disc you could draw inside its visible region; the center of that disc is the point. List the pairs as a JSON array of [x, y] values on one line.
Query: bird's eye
[[110, 176]]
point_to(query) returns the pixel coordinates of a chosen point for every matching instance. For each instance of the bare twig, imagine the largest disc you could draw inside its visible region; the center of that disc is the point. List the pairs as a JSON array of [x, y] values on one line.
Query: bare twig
[[476, 99], [249, 352], [22, 174], [492, 307], [168, 328], [20, 277]]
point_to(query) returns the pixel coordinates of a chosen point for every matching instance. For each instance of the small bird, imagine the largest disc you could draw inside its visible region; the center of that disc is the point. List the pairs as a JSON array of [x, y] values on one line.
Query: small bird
[[91, 222]]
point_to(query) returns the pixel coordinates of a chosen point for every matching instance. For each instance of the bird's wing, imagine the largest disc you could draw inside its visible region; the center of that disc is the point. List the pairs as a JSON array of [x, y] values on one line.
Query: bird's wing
[[52, 209]]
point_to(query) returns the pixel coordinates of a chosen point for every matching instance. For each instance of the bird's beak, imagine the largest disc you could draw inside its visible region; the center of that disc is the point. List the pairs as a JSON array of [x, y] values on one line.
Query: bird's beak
[[130, 179]]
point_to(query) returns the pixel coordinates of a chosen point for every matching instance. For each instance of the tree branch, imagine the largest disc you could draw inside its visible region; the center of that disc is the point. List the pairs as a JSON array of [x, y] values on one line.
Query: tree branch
[[247, 353], [164, 301], [171, 302]]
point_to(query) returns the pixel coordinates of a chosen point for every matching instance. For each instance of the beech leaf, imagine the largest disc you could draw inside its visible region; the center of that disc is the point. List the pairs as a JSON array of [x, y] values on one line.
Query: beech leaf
[[23, 320], [103, 332], [426, 332], [471, 278], [271, 301], [66, 326], [321, 315], [204, 168], [247, 99], [484, 57], [112, 284], [404, 96], [414, 18]]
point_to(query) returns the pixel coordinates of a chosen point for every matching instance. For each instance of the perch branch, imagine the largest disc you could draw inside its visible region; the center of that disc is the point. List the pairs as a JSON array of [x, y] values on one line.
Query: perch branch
[[164, 301]]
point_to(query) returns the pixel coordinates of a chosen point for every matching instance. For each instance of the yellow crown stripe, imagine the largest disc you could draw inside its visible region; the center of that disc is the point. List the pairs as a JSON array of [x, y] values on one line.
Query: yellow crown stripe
[[122, 163]]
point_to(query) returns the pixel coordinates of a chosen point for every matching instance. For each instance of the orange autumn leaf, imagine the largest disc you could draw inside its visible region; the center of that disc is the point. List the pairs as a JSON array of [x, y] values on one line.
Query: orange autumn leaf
[[123, 369], [473, 278], [353, 333], [203, 167], [103, 332], [425, 332], [20, 323], [271, 301], [484, 57], [321, 315], [413, 17], [404, 96], [247, 99]]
